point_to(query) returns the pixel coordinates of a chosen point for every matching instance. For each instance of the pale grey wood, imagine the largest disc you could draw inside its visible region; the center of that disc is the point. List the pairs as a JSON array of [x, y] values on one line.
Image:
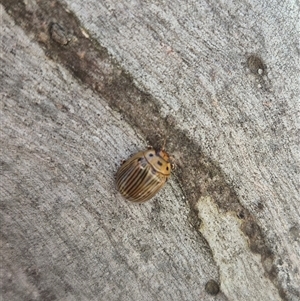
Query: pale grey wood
[[192, 57], [66, 232]]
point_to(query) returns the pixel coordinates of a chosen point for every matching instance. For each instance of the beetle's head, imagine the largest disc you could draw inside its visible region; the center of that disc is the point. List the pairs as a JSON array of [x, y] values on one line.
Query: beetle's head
[[163, 154]]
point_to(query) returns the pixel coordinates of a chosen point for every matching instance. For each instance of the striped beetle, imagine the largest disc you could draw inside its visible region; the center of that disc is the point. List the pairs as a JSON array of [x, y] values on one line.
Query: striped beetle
[[144, 174]]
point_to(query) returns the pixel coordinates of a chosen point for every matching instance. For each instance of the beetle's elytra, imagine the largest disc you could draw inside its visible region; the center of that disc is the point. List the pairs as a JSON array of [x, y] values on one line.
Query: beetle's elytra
[[143, 175]]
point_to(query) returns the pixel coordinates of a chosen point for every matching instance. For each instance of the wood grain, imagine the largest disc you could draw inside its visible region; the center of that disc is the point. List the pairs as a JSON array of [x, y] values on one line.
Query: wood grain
[[221, 80]]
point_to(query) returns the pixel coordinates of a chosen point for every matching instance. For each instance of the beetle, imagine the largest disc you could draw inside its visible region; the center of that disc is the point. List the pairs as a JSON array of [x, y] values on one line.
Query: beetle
[[140, 177]]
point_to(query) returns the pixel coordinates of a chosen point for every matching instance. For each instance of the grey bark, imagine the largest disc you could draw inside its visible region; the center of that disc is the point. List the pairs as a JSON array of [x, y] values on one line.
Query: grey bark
[[221, 81]]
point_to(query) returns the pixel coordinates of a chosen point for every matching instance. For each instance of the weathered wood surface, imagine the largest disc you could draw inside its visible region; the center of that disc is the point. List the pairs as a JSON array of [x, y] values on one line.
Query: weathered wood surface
[[72, 109]]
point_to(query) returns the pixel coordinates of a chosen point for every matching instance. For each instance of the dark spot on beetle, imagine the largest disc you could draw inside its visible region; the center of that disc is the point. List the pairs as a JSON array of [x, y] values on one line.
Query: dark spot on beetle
[[150, 155], [159, 163], [212, 287], [167, 168]]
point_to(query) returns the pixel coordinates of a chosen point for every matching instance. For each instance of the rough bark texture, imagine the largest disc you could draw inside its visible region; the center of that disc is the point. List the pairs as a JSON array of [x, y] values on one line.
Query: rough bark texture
[[84, 84]]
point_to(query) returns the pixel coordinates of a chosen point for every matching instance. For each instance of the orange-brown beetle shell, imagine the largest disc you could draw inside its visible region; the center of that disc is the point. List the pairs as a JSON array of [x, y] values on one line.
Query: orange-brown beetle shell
[[143, 175]]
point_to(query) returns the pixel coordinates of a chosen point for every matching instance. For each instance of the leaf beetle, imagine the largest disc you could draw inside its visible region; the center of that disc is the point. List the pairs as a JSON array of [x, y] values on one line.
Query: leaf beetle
[[140, 177]]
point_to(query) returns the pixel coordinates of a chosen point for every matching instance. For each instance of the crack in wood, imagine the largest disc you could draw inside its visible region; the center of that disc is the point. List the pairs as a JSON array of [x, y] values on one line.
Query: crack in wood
[[67, 43]]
